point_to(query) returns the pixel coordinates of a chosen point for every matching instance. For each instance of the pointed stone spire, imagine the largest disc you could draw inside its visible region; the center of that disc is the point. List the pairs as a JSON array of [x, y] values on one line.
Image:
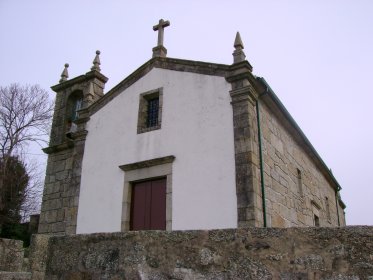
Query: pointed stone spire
[[64, 74], [96, 62], [238, 42], [238, 54]]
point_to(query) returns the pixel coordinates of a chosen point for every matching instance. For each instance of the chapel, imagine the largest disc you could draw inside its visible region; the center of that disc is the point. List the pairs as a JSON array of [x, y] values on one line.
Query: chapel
[[180, 145]]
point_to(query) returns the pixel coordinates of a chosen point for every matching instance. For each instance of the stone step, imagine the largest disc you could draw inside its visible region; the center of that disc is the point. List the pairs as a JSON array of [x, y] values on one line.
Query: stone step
[[4, 275]]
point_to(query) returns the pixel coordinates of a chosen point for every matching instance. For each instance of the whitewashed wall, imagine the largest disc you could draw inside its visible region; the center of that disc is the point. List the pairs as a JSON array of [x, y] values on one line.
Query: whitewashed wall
[[197, 128]]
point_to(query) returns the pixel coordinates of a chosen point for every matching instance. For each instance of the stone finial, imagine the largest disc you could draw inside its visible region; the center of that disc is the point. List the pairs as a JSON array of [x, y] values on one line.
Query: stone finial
[[238, 42], [96, 62], [160, 50], [64, 74], [238, 54]]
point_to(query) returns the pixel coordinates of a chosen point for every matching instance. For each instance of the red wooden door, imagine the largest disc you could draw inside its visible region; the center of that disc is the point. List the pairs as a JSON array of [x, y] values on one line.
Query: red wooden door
[[148, 207]]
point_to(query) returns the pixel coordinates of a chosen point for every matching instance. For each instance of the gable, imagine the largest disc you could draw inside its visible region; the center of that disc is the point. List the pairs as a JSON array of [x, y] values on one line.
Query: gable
[[174, 64]]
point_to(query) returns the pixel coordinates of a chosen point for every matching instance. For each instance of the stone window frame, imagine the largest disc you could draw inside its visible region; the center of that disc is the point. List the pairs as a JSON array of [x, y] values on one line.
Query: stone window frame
[[143, 110], [316, 213], [144, 171]]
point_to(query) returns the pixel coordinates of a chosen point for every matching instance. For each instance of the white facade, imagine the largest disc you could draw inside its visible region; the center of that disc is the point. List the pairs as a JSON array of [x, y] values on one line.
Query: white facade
[[197, 129]]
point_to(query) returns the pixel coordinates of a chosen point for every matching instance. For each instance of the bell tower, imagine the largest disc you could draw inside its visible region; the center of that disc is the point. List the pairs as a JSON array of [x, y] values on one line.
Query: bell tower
[[66, 148], [73, 95]]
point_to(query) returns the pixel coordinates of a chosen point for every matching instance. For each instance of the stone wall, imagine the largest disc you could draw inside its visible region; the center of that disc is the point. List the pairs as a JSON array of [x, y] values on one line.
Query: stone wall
[[13, 265], [65, 154], [295, 186], [11, 255], [251, 253], [61, 191]]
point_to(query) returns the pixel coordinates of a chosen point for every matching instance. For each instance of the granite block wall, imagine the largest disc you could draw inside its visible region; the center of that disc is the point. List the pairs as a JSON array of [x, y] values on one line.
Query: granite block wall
[[295, 188], [61, 191], [245, 253], [11, 255]]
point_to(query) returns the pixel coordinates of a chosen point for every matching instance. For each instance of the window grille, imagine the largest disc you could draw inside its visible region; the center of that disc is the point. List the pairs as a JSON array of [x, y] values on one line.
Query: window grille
[[152, 114], [150, 111]]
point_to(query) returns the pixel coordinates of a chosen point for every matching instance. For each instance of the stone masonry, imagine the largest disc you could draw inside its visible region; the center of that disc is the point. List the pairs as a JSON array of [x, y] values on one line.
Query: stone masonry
[[245, 253], [298, 189], [289, 204], [13, 265], [65, 154], [246, 153]]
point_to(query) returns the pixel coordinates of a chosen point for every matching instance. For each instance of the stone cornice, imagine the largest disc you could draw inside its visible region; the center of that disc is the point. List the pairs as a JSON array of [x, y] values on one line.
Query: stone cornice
[[79, 135], [240, 76], [69, 144], [82, 78], [243, 94], [147, 163]]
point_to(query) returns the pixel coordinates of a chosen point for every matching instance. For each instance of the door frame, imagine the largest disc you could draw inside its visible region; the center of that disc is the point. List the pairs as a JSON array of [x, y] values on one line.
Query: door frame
[[144, 171]]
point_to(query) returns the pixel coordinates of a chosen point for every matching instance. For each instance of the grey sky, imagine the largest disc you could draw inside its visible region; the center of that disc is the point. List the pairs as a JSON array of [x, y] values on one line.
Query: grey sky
[[316, 55]]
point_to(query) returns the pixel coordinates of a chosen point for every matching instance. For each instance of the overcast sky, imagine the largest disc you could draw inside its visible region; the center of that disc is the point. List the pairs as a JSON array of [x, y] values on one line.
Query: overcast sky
[[316, 55]]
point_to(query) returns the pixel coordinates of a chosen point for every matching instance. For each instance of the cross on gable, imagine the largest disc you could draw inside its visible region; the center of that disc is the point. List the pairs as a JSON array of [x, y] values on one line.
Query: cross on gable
[[160, 27]]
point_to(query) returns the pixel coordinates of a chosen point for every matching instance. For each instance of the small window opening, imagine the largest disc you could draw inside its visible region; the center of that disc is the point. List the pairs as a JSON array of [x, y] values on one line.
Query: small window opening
[[76, 108], [74, 104], [316, 220], [300, 183], [150, 111], [327, 208], [152, 114]]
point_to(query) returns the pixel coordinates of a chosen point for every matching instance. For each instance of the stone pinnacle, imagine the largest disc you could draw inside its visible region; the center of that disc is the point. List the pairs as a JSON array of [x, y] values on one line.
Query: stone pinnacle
[[64, 74], [96, 62], [238, 42], [238, 54]]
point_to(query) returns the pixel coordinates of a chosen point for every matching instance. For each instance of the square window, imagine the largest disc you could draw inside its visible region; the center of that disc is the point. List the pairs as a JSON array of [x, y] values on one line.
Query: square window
[[150, 111]]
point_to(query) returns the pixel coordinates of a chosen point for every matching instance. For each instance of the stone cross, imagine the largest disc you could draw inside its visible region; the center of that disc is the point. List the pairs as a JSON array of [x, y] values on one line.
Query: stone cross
[[160, 27]]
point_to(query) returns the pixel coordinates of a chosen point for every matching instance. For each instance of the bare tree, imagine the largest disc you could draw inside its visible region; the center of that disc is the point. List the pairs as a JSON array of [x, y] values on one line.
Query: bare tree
[[32, 194], [25, 114]]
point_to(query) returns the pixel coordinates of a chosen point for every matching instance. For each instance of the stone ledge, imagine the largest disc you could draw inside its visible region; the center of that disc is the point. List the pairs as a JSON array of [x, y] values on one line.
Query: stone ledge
[[57, 148], [147, 163], [4, 275]]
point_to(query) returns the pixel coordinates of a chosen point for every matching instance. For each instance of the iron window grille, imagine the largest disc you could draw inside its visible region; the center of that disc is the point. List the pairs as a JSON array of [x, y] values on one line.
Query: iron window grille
[[150, 111]]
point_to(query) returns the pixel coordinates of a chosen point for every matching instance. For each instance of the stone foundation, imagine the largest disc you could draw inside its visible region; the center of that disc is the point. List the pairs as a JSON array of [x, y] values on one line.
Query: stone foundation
[[11, 255], [247, 253], [13, 266]]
